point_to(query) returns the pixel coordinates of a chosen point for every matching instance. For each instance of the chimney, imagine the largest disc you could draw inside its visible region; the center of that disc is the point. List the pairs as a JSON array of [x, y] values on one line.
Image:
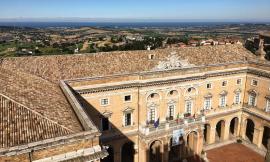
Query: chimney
[[260, 52]]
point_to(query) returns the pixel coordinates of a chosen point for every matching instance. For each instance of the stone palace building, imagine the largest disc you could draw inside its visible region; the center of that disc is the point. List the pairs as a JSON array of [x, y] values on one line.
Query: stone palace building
[[134, 106]]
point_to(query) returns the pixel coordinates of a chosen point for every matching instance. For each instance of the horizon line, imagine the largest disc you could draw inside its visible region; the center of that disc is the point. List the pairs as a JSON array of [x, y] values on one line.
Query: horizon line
[[80, 19]]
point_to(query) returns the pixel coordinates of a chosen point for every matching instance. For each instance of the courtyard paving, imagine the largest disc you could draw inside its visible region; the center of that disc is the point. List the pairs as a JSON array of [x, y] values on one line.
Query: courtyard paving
[[234, 153]]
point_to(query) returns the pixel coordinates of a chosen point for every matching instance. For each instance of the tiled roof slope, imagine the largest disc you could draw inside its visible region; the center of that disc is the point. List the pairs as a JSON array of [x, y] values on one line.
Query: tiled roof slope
[[40, 96], [54, 68], [20, 125]]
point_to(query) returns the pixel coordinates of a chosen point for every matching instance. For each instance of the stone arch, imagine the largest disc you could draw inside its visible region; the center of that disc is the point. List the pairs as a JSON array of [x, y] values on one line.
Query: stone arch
[[234, 122], [250, 126], [266, 136], [110, 157], [127, 152], [206, 133], [155, 151], [220, 130]]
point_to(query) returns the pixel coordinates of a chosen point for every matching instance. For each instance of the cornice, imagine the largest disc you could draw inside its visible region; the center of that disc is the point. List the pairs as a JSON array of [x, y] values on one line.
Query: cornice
[[157, 83]]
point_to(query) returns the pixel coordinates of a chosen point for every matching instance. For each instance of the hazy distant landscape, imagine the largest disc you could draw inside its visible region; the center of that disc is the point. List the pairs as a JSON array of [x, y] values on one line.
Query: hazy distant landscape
[[47, 38]]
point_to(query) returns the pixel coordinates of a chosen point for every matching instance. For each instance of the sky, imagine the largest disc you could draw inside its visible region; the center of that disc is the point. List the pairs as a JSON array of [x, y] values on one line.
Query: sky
[[253, 10]]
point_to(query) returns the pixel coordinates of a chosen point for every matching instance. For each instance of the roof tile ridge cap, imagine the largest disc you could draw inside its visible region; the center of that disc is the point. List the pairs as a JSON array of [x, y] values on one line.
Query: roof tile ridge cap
[[37, 113]]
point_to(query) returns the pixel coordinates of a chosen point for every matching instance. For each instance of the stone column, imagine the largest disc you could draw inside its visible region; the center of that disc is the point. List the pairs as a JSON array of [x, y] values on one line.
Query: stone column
[[200, 143], [212, 135], [238, 127], [136, 153], [226, 131], [166, 152], [258, 135], [143, 152], [243, 129]]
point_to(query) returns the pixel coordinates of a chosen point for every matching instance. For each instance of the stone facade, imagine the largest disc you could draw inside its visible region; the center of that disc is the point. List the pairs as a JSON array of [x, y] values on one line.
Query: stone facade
[[203, 126]]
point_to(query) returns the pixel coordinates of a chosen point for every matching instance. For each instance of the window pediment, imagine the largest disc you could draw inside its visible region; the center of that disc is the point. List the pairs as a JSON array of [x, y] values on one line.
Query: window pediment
[[107, 114], [128, 109], [223, 93], [208, 95], [252, 92], [152, 104], [171, 102], [238, 90]]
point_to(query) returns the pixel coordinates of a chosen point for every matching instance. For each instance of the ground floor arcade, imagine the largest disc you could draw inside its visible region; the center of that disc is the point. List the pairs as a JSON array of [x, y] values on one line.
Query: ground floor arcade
[[159, 148]]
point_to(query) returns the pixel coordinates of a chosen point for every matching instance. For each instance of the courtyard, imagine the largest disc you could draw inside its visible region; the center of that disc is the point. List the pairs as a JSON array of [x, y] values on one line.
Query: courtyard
[[234, 153]]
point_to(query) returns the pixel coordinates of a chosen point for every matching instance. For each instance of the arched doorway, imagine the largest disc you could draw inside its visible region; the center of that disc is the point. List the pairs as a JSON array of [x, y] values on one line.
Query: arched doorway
[[206, 133], [127, 152], [176, 152], [192, 141], [155, 152], [234, 127], [266, 136], [250, 130], [220, 131], [110, 157]]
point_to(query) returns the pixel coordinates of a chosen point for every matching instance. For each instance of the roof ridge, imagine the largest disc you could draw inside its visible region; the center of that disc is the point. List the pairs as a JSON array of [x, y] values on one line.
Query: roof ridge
[[38, 114]]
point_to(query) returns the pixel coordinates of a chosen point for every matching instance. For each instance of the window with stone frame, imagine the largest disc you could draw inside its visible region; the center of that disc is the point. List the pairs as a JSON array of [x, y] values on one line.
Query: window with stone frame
[[188, 106], [239, 81], [127, 98], [237, 98], [207, 103], [171, 109], [208, 85], [267, 108], [252, 99], [223, 101], [104, 101], [254, 82], [224, 83], [128, 119], [151, 115]]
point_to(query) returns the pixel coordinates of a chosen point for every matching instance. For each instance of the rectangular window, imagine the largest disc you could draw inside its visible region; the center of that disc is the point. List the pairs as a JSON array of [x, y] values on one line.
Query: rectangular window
[[267, 109], [254, 82], [171, 111], [209, 86], [128, 98], [105, 124], [127, 119], [252, 100], [207, 103], [239, 81], [223, 101], [237, 98], [104, 101], [224, 83], [152, 115], [188, 106]]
